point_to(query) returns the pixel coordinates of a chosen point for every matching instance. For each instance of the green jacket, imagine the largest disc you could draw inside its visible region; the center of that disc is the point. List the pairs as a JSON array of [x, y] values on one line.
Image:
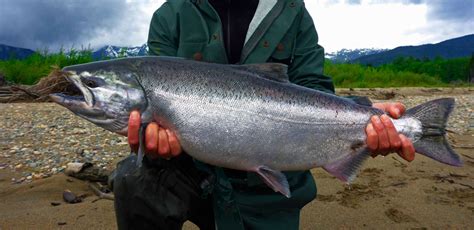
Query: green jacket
[[285, 33]]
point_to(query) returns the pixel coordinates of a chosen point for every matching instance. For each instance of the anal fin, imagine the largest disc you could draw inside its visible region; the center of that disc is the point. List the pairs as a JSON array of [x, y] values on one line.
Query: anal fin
[[275, 180], [346, 168]]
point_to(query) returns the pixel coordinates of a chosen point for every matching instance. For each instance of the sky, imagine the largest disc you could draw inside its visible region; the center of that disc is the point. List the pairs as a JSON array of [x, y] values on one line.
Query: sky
[[351, 24]]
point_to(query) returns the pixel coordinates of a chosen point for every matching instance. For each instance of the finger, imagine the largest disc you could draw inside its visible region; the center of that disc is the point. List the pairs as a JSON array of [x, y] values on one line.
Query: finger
[[133, 130], [407, 151], [175, 147], [402, 108], [394, 139], [383, 142], [381, 106], [163, 144], [151, 139], [372, 139], [396, 110]]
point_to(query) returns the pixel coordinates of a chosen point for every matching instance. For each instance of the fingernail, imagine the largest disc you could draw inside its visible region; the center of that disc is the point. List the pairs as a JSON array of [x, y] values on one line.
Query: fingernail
[[408, 156], [397, 112]]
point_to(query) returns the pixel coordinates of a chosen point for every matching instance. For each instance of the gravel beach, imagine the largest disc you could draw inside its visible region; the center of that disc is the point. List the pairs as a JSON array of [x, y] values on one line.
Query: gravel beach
[[38, 140]]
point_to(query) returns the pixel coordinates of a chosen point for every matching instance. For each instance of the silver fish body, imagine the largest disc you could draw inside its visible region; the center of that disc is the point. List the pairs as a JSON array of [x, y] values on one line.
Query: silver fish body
[[252, 118], [235, 118]]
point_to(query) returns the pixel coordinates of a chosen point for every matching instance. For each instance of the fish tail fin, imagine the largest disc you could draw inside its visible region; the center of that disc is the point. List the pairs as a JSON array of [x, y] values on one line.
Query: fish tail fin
[[433, 116], [346, 168]]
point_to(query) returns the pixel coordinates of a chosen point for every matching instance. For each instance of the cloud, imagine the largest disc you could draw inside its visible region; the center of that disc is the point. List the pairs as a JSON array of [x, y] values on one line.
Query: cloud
[[351, 2], [55, 23], [38, 24], [453, 10], [396, 1], [444, 19], [448, 19]]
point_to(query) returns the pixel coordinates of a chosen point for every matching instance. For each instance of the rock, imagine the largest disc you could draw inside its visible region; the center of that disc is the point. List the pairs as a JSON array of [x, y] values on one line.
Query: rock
[[37, 176], [55, 203], [70, 197], [25, 150], [80, 151], [72, 168]]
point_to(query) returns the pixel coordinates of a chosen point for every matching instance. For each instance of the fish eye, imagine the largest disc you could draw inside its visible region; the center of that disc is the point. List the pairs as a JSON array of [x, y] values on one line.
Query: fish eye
[[92, 82]]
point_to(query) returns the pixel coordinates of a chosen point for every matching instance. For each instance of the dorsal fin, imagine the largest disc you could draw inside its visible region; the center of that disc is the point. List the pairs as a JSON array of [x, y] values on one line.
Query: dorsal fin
[[272, 71]]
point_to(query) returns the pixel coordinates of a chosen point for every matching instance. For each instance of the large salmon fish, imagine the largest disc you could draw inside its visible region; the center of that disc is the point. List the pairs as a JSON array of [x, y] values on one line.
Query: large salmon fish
[[246, 117]]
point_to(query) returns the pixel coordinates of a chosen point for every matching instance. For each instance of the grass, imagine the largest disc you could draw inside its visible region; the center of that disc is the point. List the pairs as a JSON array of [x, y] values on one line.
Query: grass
[[28, 71], [358, 76], [404, 72]]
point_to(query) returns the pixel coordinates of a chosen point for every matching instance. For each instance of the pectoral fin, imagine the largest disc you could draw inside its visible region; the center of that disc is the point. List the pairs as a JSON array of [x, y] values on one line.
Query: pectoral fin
[[275, 180]]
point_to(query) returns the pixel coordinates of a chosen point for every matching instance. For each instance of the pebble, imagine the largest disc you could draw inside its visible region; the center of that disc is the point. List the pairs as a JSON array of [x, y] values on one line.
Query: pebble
[[37, 176]]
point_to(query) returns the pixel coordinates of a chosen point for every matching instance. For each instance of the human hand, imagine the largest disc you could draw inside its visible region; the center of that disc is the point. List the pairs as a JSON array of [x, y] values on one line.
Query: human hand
[[383, 138], [159, 142]]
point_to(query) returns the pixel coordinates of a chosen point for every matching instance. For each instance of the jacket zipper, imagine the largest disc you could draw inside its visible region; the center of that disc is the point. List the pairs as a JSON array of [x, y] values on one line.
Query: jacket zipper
[[229, 51]]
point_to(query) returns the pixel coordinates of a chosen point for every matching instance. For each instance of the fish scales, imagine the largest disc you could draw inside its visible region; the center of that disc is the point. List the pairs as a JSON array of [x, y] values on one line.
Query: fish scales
[[245, 117], [225, 116]]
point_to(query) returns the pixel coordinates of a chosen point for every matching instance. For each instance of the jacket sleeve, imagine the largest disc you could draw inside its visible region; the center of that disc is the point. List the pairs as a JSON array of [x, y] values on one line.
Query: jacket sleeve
[[306, 68], [163, 33]]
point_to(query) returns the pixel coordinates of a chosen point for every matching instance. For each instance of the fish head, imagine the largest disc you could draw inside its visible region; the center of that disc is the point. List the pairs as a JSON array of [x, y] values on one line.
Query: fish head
[[108, 93]]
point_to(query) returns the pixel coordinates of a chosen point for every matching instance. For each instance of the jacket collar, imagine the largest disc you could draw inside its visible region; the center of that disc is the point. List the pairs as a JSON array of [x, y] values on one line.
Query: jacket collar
[[266, 14], [263, 8]]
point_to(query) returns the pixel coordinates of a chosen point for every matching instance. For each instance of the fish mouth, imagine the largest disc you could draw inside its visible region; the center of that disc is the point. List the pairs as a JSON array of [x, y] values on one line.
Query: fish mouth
[[80, 102]]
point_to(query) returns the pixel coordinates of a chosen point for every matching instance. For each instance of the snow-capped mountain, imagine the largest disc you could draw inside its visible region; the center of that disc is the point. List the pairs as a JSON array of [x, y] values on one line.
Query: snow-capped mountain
[[110, 51], [347, 55]]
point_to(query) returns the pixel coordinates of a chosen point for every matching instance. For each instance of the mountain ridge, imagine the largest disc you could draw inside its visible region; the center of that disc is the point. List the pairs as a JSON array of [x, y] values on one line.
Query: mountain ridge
[[110, 51], [452, 48], [7, 52], [346, 55]]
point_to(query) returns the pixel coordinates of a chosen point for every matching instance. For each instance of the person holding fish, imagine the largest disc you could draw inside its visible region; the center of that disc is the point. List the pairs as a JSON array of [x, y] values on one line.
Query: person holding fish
[[171, 187]]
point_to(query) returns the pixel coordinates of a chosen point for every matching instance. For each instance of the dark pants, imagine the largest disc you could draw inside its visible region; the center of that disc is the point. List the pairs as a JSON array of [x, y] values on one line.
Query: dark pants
[[162, 194]]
